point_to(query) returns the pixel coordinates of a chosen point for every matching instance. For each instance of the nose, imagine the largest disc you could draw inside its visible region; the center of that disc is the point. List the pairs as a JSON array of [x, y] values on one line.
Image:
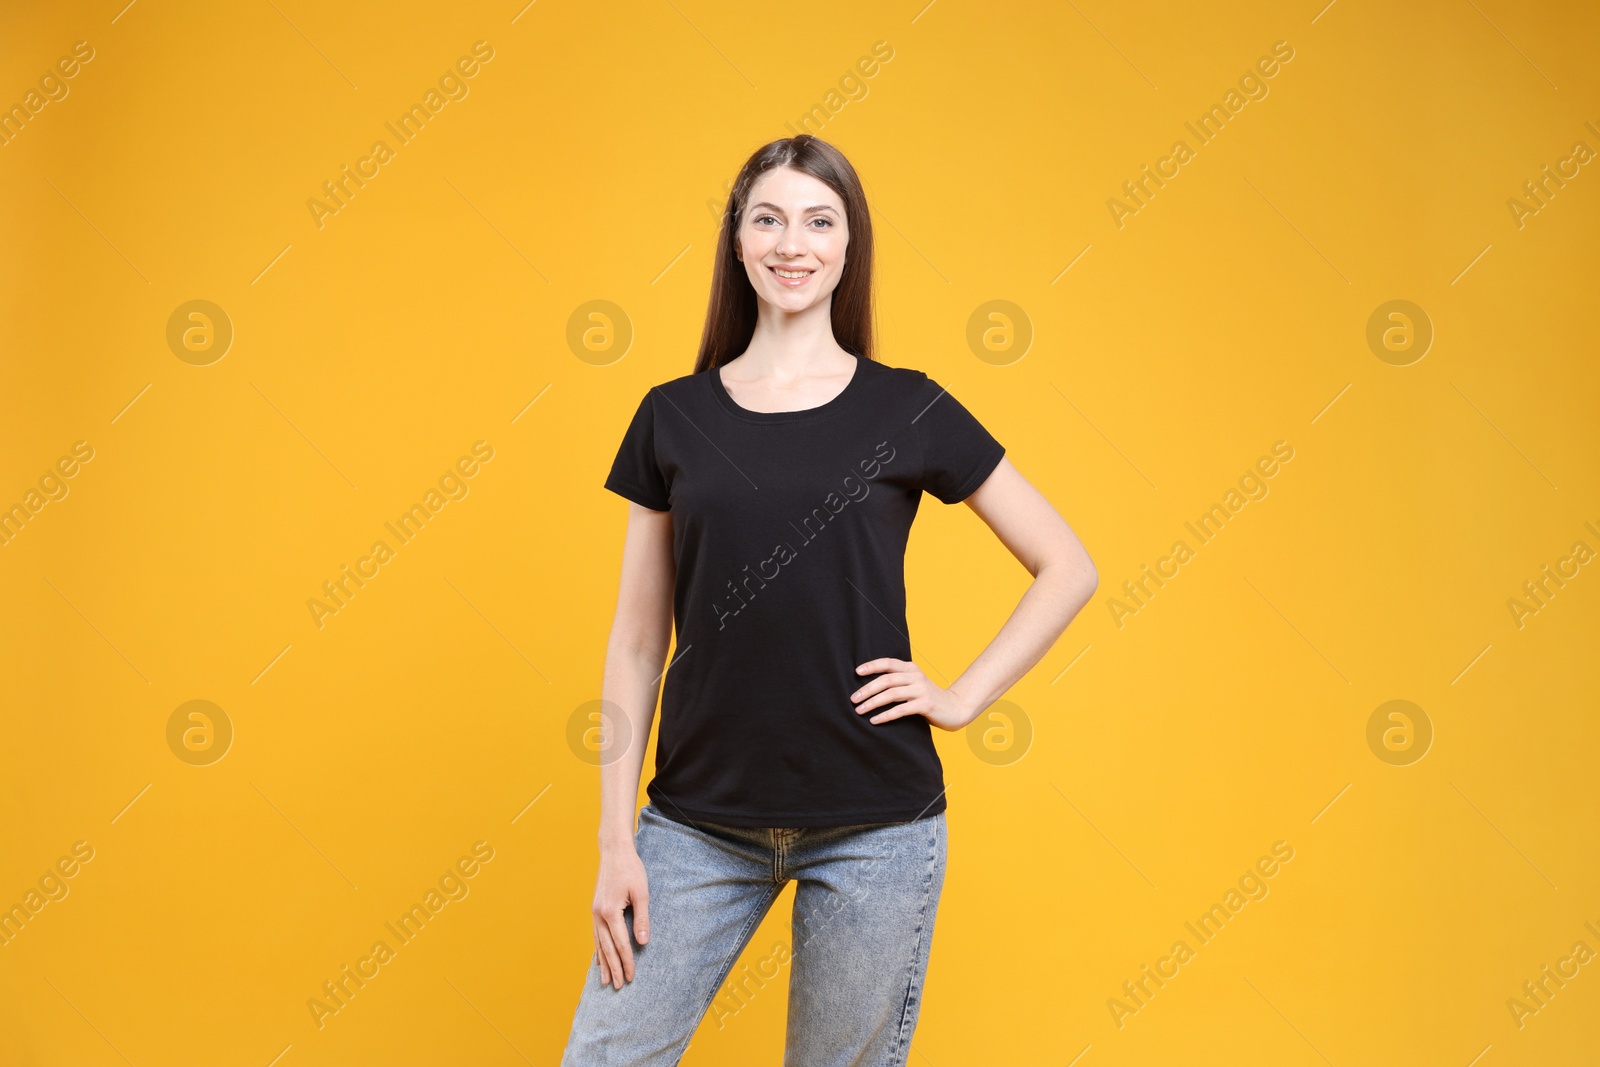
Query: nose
[[790, 244]]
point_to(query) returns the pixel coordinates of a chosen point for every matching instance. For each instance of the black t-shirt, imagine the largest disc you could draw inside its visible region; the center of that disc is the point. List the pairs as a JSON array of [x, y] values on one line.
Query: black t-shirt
[[789, 532]]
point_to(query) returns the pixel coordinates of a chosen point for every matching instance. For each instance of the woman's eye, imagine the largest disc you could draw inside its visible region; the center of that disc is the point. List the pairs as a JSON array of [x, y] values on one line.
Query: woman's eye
[[825, 222]]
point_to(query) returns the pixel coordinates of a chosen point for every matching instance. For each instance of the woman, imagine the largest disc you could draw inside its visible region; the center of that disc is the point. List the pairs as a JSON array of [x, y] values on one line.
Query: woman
[[772, 494]]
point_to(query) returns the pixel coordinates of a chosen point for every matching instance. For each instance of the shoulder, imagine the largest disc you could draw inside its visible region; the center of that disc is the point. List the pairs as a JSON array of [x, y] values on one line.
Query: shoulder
[[663, 396], [906, 392], [677, 388], [901, 380]]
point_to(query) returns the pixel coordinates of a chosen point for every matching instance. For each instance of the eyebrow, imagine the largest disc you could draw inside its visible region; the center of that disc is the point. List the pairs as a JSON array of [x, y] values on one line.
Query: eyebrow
[[779, 210]]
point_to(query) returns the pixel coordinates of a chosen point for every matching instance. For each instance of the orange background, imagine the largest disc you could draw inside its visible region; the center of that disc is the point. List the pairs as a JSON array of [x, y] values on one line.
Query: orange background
[[1140, 770]]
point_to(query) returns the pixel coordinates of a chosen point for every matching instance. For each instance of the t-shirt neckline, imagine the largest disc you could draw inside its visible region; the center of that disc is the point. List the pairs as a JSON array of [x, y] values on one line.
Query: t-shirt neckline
[[721, 392]]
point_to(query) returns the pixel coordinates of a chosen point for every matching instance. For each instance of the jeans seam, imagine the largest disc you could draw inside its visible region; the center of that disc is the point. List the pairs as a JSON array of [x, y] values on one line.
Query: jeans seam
[[902, 1044], [727, 961]]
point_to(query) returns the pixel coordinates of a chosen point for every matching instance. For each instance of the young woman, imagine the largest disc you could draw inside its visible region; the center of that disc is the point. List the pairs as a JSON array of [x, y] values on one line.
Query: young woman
[[772, 493]]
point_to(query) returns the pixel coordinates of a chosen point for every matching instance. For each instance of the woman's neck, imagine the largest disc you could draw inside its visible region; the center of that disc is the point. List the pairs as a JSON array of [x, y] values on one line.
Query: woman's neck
[[787, 347]]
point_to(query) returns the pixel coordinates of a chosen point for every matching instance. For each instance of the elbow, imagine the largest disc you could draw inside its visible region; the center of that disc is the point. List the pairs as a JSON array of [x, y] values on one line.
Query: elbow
[[1069, 557], [1074, 569], [1088, 573], [640, 644], [1069, 567], [641, 650], [1087, 579]]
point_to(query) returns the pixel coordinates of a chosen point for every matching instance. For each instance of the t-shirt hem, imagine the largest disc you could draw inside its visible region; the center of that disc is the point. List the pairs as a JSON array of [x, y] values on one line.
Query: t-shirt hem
[[746, 819], [978, 476]]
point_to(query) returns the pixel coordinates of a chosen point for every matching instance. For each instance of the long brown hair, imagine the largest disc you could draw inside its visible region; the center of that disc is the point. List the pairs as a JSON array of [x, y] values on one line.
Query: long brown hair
[[731, 314]]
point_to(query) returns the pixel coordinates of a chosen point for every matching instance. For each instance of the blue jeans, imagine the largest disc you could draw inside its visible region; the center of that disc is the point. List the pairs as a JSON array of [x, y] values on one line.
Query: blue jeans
[[862, 927]]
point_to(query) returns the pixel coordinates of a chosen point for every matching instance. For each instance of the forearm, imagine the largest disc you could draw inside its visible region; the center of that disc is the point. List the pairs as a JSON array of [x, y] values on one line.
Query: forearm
[[628, 694], [1053, 599]]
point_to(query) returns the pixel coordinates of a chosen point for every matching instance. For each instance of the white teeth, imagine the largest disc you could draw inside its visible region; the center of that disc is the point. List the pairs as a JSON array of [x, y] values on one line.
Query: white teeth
[[780, 272]]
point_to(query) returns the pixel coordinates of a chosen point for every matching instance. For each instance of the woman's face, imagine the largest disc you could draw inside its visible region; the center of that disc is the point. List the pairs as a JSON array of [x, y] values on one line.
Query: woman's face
[[793, 224]]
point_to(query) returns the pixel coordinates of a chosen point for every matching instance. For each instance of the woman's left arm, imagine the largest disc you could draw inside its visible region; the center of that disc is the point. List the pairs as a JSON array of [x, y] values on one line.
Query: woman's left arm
[[1064, 578]]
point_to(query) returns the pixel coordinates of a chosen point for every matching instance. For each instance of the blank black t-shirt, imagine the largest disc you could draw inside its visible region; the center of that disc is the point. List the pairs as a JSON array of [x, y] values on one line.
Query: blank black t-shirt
[[789, 533]]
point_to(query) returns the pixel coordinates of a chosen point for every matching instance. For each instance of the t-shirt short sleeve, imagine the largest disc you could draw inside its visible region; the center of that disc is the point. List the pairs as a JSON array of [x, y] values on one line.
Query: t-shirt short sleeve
[[958, 452], [635, 474]]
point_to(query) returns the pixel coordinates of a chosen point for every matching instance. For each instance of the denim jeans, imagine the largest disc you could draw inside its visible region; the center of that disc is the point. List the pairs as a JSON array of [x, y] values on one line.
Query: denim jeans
[[862, 927]]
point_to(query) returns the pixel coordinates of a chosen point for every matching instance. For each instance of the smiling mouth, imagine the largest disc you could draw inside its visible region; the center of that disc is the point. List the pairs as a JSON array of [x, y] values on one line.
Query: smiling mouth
[[791, 275]]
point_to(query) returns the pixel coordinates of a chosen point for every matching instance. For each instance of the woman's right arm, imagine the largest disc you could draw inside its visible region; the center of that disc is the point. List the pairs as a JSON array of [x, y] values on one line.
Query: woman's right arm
[[636, 651]]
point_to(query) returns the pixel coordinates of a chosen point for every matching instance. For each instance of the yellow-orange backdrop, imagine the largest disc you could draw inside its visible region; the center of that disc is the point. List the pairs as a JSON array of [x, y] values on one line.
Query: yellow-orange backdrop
[[1337, 269]]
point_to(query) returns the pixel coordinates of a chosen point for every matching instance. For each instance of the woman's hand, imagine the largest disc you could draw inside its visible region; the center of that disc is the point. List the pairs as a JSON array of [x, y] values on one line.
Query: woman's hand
[[902, 680], [621, 882]]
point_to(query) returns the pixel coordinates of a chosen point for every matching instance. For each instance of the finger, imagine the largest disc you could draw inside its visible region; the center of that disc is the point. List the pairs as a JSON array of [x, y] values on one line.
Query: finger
[[885, 681], [908, 708], [641, 917], [612, 973], [600, 958], [608, 956], [888, 696], [883, 663], [619, 937], [876, 685]]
